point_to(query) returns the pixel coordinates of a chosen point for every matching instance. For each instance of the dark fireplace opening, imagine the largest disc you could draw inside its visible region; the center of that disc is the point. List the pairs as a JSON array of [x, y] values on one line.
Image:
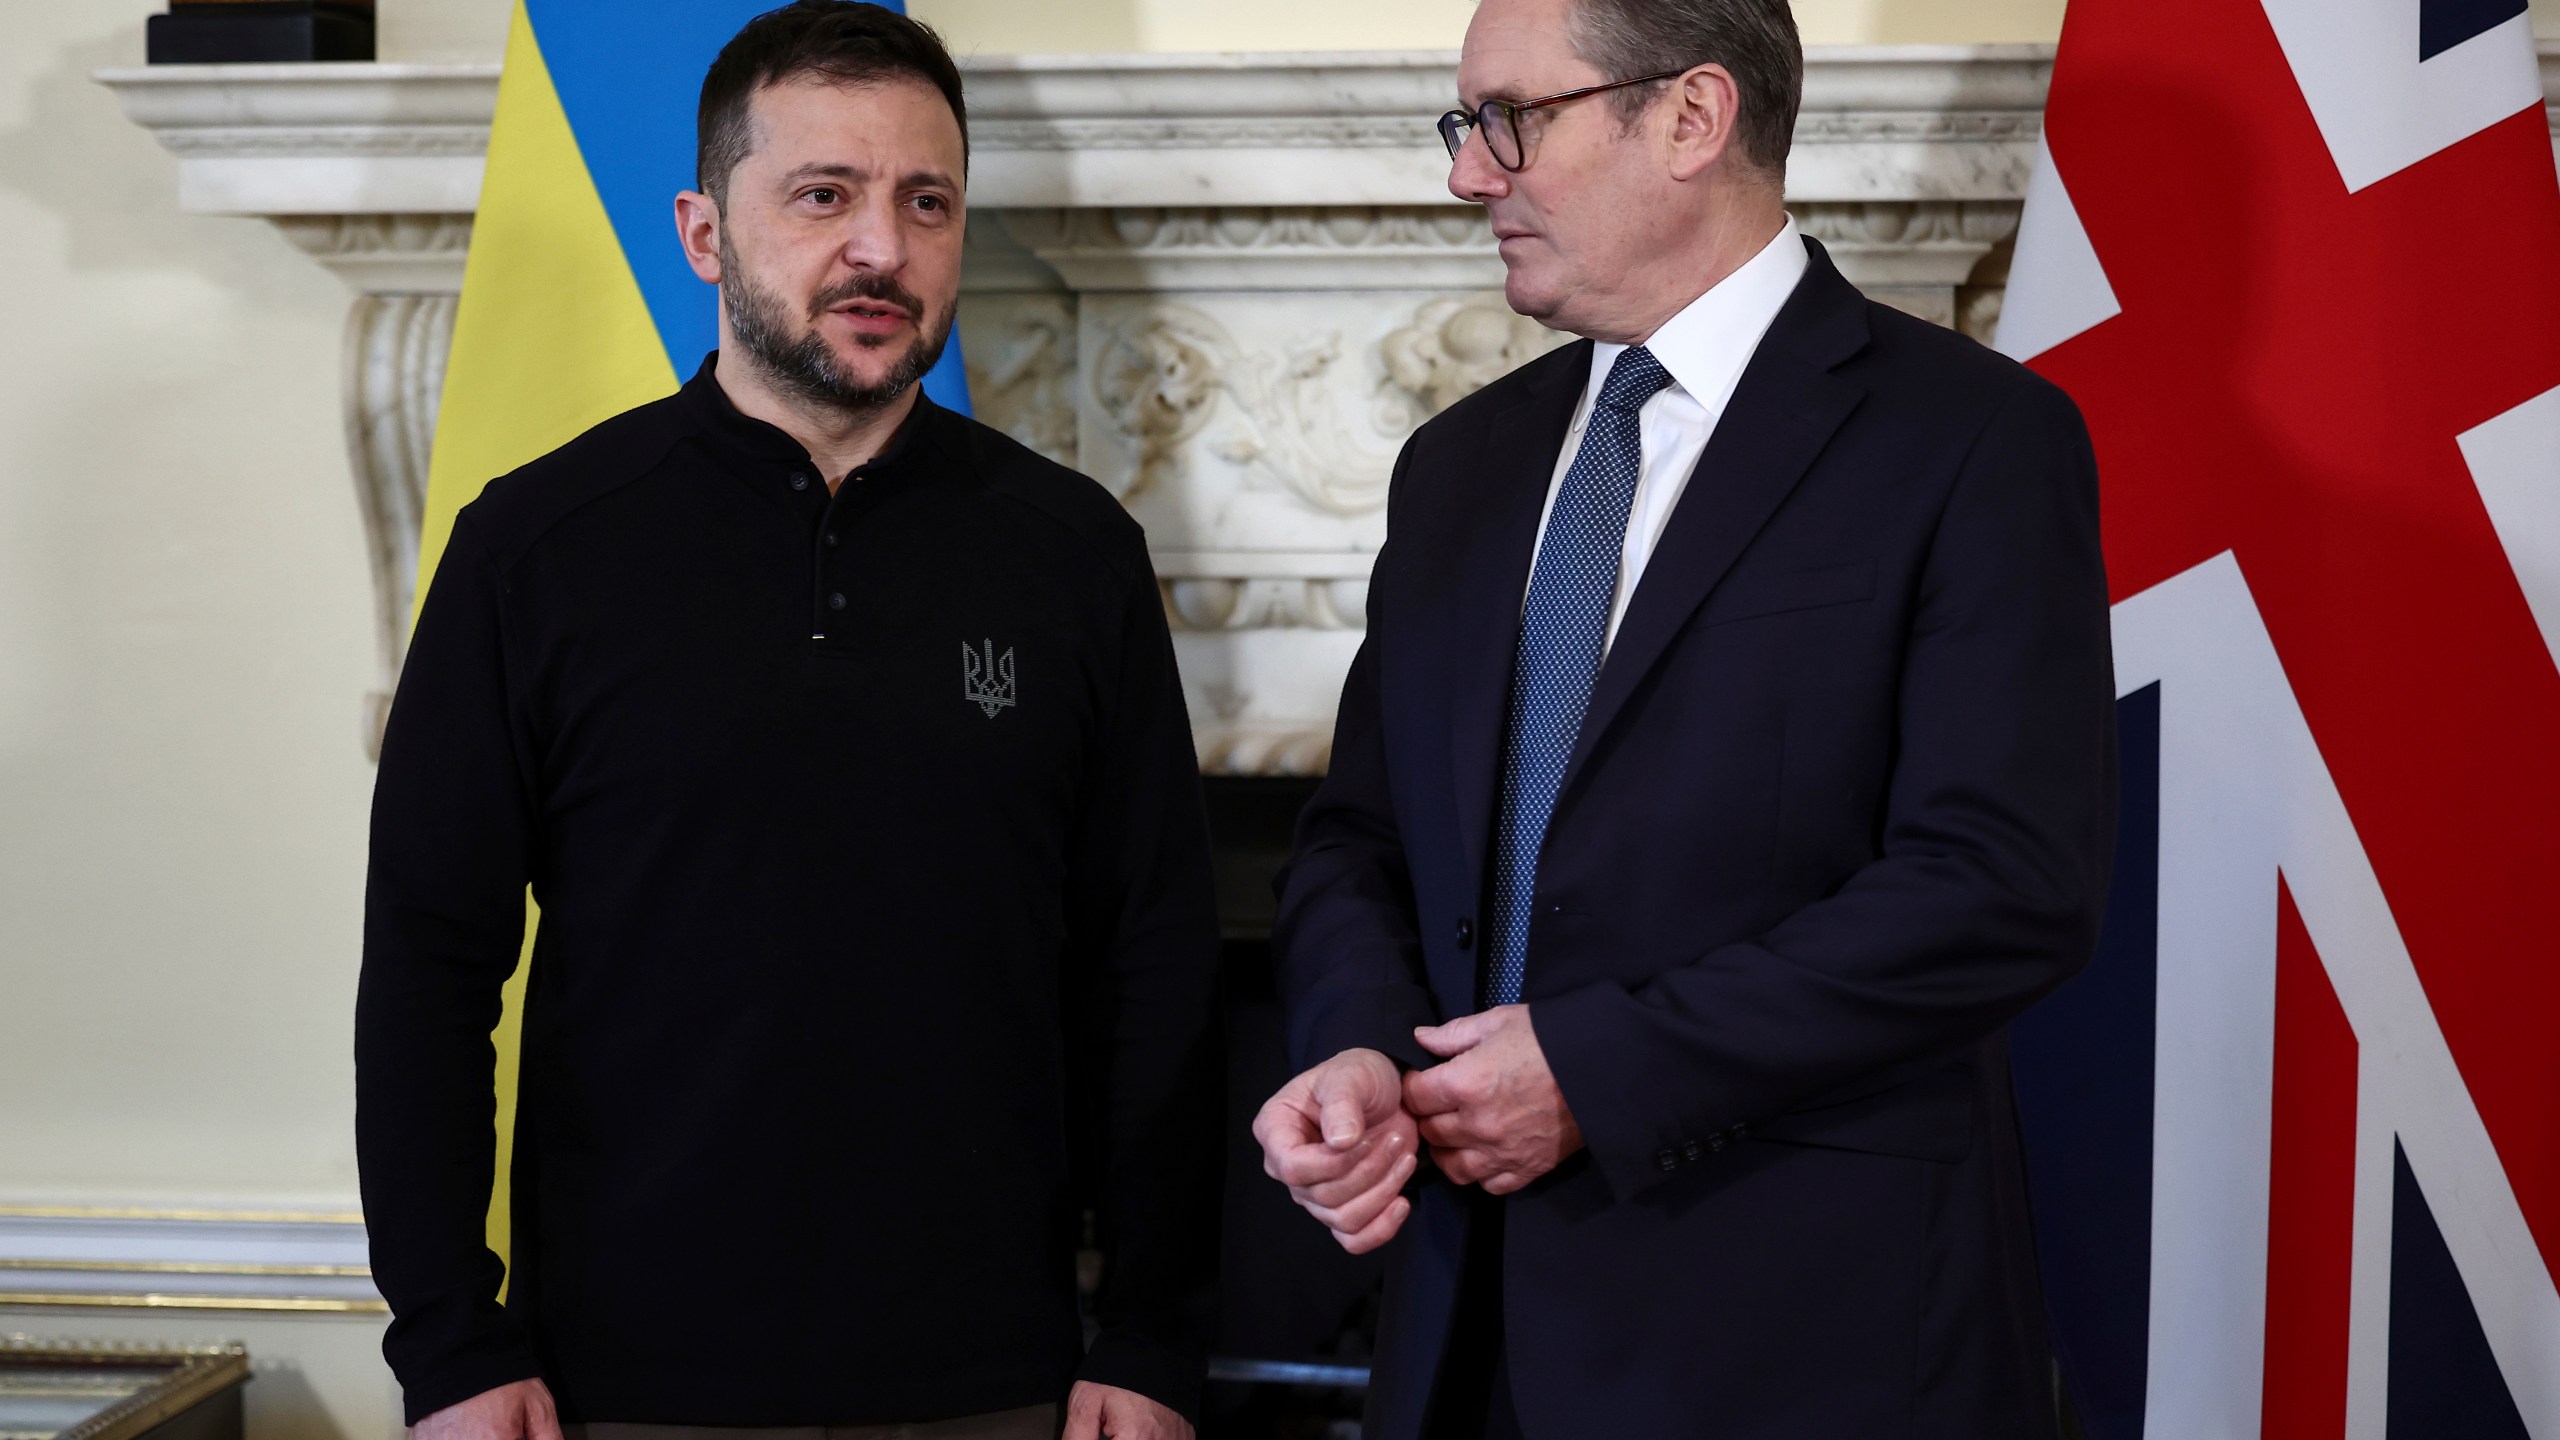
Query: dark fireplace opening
[[1297, 1316]]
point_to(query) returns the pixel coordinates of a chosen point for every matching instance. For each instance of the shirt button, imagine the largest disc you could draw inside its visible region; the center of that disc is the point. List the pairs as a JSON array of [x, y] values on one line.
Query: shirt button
[[831, 539], [799, 482], [836, 601]]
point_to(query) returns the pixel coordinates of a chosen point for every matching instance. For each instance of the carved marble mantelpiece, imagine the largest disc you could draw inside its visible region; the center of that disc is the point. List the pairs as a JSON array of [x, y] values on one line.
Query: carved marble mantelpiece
[[1226, 286]]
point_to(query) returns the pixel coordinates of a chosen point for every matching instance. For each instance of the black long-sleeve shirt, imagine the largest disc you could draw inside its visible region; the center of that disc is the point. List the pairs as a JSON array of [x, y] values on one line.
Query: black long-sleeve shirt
[[876, 935]]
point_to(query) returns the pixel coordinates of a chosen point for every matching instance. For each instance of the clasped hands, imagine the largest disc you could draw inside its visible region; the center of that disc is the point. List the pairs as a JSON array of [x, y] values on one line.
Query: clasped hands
[[1346, 1135]]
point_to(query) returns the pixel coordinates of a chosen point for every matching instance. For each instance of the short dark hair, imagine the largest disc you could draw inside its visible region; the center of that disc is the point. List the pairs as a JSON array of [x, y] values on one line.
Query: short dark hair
[[1754, 39], [843, 41]]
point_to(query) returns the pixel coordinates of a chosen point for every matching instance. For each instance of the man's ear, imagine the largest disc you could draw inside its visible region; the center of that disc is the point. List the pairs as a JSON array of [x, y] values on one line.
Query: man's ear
[[1704, 105], [698, 230]]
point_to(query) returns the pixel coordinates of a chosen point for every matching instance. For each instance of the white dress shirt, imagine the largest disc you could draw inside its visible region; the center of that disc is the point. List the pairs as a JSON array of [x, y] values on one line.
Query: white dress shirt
[[1705, 347]]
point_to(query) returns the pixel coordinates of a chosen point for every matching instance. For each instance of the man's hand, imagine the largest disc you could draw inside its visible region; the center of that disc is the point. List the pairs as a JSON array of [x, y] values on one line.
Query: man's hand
[[521, 1411], [1095, 1412], [1491, 1112], [1339, 1138]]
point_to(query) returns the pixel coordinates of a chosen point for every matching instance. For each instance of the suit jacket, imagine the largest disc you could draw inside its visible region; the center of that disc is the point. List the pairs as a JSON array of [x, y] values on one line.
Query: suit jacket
[[1842, 807]]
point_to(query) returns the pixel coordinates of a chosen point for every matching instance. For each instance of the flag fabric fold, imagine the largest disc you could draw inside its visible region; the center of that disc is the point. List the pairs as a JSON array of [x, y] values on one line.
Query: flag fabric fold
[[2293, 1137]]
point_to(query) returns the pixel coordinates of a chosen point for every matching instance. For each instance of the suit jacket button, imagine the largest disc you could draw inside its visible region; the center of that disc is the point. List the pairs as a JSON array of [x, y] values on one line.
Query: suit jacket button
[[1668, 1160], [1715, 1142], [1466, 934], [1689, 1151]]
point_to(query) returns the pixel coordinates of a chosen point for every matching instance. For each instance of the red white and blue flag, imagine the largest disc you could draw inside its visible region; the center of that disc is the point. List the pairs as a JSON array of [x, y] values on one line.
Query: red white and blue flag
[[2295, 1136]]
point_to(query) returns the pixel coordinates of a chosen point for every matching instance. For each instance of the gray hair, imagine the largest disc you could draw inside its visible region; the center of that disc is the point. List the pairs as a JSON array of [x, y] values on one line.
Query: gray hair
[[1754, 39]]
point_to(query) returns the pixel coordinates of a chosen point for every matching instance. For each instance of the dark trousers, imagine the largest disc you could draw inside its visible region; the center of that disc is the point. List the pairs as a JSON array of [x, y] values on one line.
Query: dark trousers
[[1472, 1400]]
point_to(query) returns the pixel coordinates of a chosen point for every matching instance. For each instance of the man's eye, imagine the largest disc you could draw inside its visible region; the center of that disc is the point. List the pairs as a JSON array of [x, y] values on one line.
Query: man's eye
[[823, 195], [933, 202]]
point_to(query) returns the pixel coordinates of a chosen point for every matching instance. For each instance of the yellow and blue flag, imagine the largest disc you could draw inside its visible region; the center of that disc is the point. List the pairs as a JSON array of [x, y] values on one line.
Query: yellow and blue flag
[[577, 303]]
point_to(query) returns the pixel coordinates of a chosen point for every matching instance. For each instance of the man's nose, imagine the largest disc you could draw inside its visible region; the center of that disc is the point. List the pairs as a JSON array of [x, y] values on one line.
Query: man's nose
[[1473, 175], [873, 239]]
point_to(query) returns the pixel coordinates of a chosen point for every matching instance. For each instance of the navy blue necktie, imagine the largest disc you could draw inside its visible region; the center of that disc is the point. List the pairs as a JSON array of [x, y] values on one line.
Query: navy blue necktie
[[1561, 637]]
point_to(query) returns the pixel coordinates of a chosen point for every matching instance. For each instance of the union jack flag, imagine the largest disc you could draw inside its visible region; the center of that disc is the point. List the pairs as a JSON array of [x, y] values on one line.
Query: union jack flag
[[2295, 1136]]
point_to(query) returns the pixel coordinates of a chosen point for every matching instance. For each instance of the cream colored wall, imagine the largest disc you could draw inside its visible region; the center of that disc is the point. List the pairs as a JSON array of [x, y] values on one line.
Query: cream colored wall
[[184, 651], [183, 656]]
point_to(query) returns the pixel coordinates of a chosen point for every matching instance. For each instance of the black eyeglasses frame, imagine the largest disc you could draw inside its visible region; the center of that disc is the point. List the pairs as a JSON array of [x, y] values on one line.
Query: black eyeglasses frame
[[1455, 124]]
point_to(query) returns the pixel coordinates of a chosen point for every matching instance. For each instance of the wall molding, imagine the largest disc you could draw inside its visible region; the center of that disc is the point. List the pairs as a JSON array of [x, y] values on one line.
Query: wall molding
[[140, 1258]]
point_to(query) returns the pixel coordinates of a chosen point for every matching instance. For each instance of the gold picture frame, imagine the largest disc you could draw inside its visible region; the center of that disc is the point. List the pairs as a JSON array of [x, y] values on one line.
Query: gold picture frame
[[171, 1381]]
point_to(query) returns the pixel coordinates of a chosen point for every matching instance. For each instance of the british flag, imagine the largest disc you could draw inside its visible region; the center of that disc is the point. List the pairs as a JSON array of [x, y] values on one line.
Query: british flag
[[2295, 1137]]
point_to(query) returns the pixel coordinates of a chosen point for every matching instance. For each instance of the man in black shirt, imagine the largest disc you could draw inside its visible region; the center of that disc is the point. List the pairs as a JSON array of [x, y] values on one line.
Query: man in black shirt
[[862, 967]]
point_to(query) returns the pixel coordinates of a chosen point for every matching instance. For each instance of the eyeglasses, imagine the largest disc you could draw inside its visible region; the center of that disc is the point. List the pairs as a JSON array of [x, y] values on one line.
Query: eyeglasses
[[1500, 120]]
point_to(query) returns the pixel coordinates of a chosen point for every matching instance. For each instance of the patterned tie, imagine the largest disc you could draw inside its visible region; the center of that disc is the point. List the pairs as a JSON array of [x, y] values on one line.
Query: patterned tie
[[1559, 656]]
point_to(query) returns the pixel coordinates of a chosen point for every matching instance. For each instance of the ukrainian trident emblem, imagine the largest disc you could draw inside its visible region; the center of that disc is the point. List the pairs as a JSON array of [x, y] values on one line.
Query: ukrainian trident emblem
[[986, 680]]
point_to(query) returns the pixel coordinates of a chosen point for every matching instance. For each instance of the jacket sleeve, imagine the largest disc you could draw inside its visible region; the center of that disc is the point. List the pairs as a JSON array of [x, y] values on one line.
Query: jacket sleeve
[[1345, 941], [453, 837], [1996, 839], [1144, 960]]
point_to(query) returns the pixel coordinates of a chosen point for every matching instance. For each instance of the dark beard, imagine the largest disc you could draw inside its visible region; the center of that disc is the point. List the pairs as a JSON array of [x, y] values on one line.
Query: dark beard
[[801, 362]]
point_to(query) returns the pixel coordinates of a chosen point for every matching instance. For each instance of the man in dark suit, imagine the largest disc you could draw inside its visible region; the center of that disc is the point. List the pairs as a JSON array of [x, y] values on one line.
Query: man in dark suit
[[1729, 761]]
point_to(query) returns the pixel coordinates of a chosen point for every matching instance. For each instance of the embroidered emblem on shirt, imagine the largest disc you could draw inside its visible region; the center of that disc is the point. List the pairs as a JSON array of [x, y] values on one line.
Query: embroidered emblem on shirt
[[986, 680]]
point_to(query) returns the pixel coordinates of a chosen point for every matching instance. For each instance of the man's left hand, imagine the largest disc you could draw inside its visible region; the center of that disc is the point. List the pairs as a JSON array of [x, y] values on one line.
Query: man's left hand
[[1106, 1412], [1491, 1111]]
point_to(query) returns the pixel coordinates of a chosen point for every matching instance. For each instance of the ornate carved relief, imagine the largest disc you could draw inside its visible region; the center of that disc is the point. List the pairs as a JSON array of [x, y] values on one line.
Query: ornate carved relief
[[1978, 311], [1315, 418], [1890, 127], [1260, 132], [1256, 227], [1911, 254], [386, 254], [1021, 354], [1455, 346], [1263, 750], [406, 270], [1355, 247], [1295, 438], [1918, 225], [228, 142], [1157, 378], [394, 377], [1210, 604]]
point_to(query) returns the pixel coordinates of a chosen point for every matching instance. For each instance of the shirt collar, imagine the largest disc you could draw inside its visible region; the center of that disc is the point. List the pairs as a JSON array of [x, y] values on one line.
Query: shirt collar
[[723, 422], [1707, 344]]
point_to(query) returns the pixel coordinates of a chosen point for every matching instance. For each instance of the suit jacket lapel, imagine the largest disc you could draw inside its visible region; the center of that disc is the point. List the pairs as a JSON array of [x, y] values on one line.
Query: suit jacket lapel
[[1519, 462], [1782, 413]]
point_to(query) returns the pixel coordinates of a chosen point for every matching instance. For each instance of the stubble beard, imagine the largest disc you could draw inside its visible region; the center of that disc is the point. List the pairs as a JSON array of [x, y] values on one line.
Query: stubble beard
[[801, 362]]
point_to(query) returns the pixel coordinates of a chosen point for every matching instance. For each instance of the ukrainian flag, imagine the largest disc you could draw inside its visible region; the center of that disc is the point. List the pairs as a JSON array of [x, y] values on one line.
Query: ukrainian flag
[[577, 303]]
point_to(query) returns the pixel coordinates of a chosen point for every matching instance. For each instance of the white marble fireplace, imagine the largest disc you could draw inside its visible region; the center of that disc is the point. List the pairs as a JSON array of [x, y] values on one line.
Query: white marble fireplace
[[1225, 286]]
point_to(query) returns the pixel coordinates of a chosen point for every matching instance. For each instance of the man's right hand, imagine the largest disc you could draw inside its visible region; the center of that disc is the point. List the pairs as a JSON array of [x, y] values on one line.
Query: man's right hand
[[521, 1411], [1339, 1137]]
